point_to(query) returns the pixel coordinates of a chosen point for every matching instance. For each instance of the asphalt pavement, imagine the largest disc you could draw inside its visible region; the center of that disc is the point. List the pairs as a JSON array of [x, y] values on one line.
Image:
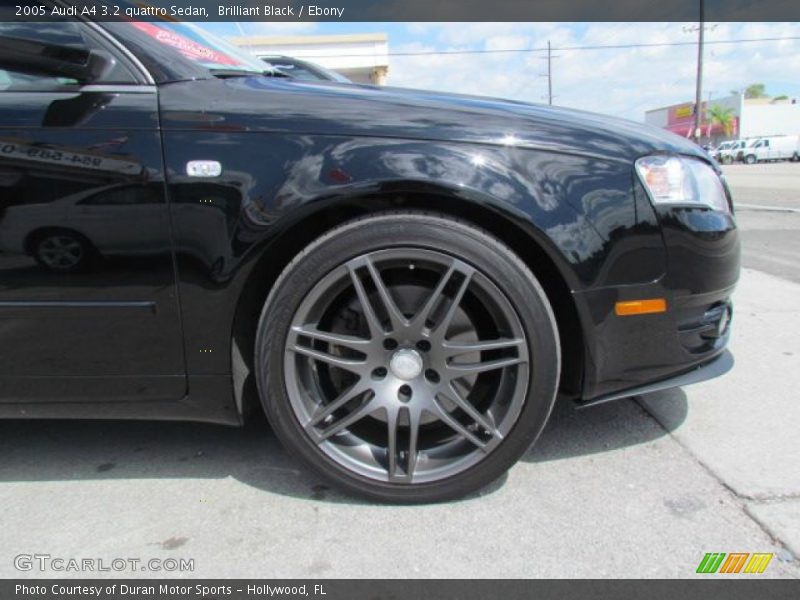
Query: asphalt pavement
[[767, 200], [642, 487]]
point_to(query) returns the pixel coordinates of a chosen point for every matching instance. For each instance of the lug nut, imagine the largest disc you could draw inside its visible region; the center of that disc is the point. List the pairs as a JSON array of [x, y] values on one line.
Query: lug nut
[[432, 376], [404, 393]]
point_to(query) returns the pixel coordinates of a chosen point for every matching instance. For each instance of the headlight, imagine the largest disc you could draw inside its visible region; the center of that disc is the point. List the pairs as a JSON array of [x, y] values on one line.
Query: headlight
[[681, 180]]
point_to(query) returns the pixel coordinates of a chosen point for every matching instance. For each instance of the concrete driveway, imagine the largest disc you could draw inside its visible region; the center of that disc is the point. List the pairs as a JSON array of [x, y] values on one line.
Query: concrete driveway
[[636, 488]]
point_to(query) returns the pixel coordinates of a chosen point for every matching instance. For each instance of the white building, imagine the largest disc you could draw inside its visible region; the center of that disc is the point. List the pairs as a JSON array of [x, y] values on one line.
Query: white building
[[752, 117], [762, 117], [361, 57]]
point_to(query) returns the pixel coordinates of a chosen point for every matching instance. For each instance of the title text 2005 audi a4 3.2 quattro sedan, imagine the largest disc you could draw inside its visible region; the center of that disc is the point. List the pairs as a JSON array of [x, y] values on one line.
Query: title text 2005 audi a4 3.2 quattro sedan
[[403, 281]]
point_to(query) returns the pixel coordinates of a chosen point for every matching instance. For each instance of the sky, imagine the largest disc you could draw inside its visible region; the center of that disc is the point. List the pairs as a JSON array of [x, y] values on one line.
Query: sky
[[620, 82]]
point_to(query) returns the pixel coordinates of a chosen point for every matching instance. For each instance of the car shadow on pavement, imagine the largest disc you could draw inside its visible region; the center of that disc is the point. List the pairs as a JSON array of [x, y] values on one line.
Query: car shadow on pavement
[[107, 450], [573, 431]]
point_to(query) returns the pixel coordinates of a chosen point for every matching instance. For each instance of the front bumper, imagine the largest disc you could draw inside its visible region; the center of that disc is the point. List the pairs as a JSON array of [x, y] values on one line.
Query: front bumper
[[717, 366], [626, 355]]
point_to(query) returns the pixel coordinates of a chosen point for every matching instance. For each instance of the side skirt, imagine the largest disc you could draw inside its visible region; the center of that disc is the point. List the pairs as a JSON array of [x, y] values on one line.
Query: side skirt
[[210, 400]]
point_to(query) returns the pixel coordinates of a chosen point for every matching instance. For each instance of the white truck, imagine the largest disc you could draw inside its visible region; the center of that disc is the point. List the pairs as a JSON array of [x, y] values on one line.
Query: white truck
[[732, 151], [722, 152], [779, 147]]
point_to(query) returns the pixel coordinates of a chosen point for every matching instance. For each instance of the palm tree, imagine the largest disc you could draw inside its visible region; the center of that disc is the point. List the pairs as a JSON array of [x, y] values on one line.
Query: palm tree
[[722, 115]]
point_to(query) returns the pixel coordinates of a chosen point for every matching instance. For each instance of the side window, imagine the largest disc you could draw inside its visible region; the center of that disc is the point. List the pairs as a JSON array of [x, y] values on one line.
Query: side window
[[124, 196], [16, 76]]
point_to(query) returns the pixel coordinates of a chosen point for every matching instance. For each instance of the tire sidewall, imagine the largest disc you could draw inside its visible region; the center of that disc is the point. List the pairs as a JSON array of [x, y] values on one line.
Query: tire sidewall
[[466, 243]]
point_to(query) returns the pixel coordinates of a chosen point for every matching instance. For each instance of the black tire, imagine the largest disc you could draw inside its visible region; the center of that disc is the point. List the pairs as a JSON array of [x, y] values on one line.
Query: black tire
[[750, 159], [396, 232]]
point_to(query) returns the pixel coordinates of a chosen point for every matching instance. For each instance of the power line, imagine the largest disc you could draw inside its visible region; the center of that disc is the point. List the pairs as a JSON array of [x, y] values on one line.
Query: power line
[[648, 100], [564, 48]]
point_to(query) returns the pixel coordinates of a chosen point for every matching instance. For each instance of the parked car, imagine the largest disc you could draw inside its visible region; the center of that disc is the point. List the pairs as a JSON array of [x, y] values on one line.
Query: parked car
[[403, 281], [780, 147], [303, 69]]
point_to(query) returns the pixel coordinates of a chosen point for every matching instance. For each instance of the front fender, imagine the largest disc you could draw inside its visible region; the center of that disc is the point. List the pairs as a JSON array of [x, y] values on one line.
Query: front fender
[[580, 210]]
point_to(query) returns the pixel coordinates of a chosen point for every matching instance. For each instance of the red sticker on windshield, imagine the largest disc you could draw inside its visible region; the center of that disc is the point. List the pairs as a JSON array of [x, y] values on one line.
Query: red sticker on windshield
[[189, 48]]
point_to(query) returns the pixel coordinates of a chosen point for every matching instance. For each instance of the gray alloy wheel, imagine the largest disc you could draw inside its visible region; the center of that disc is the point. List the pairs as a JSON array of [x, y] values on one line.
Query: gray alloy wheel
[[372, 396], [60, 251], [402, 366]]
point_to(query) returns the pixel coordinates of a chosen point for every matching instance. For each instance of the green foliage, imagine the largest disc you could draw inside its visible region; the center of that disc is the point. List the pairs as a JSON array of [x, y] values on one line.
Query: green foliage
[[722, 115], [755, 90]]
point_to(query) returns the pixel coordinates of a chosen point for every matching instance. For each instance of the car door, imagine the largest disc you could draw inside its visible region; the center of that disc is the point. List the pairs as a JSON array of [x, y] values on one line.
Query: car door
[[737, 151], [755, 149], [88, 300], [765, 151]]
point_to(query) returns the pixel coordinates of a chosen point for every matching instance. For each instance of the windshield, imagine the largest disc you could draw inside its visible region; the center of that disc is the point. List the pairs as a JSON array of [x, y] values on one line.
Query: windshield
[[200, 46], [304, 71], [333, 75]]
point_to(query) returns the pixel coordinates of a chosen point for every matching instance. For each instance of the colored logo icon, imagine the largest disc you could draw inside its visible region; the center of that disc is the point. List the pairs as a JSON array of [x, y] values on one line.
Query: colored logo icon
[[734, 562]]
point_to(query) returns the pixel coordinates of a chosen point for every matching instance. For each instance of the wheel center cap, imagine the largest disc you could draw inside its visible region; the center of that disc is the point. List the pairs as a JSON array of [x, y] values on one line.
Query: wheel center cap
[[406, 364]]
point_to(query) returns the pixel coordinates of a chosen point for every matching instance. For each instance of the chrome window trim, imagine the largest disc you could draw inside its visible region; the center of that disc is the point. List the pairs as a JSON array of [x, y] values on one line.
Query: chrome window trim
[[118, 88], [130, 56], [141, 70]]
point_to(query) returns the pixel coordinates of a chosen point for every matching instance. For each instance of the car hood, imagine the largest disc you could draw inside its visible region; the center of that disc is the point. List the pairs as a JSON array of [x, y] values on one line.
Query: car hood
[[326, 108]]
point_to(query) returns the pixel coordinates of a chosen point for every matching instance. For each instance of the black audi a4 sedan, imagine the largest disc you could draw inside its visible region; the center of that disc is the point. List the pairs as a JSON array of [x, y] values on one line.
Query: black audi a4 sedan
[[403, 281]]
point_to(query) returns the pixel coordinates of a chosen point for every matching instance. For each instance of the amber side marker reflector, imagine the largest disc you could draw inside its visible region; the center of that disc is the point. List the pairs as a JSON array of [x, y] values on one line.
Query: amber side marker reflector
[[640, 307]]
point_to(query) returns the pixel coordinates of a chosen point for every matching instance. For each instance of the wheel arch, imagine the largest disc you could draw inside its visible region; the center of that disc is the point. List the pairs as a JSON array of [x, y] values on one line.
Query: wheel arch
[[527, 241], [33, 236]]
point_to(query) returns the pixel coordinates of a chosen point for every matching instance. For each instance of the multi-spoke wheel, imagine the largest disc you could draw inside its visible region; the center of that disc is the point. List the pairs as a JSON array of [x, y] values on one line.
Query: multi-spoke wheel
[[409, 357], [61, 251]]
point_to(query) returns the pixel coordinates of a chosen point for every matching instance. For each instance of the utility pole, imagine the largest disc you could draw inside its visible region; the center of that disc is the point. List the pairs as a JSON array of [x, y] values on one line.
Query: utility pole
[[549, 74], [698, 99]]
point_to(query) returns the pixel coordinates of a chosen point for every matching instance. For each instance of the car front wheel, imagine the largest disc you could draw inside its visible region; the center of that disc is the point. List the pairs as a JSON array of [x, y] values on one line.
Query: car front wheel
[[407, 357], [61, 250]]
